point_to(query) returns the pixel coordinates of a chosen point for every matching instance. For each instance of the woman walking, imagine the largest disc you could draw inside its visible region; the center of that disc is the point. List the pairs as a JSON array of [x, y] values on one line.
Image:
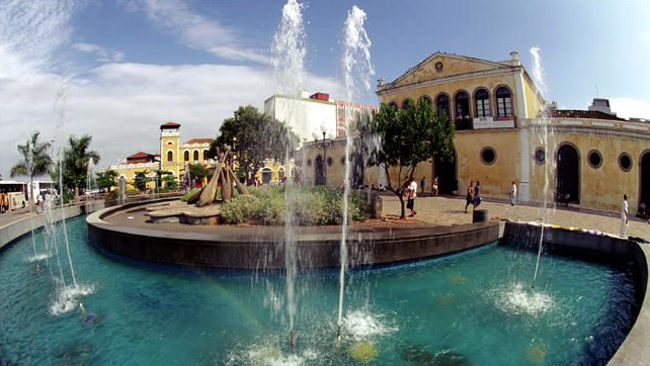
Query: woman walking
[[477, 194], [470, 195]]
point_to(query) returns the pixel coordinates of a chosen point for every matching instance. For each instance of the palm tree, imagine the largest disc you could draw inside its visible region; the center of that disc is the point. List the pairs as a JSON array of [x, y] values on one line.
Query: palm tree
[[35, 162], [75, 161]]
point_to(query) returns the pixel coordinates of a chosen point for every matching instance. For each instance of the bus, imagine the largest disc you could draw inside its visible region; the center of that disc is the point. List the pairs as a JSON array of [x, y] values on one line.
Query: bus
[[41, 188], [17, 192]]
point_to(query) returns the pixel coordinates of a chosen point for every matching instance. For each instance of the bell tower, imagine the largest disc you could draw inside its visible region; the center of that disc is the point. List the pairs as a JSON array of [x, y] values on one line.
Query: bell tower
[[170, 148]]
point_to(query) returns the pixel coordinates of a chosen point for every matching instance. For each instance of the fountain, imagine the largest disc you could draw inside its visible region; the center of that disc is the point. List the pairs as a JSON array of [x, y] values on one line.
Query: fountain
[[288, 50], [357, 68], [546, 130], [428, 306]]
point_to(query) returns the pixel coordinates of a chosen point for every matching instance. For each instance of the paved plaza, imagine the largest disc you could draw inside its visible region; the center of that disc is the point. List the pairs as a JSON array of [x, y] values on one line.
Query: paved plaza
[[449, 211]]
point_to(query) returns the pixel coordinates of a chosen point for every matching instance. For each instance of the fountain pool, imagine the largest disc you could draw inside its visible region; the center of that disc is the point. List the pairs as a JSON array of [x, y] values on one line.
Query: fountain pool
[[472, 308]]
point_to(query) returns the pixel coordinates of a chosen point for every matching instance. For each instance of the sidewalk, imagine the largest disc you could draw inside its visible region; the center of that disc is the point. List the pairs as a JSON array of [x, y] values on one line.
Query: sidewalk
[[449, 211], [9, 217]]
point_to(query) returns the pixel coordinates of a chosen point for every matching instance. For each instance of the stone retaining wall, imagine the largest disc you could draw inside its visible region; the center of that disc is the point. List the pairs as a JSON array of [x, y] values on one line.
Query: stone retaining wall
[[261, 247]]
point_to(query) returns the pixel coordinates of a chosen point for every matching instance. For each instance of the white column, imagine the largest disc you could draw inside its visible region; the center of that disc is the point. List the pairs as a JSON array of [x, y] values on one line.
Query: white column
[[524, 164]]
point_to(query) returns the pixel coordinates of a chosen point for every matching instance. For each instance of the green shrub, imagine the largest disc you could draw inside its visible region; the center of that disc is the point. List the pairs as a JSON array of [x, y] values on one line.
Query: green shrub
[[308, 205], [189, 194]]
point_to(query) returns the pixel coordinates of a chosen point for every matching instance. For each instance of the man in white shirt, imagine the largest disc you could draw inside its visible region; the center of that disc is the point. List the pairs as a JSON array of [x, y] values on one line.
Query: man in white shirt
[[513, 193], [624, 215], [410, 195]]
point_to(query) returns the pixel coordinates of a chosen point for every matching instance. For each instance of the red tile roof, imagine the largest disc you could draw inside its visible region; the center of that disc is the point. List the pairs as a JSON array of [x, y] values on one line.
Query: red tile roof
[[199, 141], [140, 155], [577, 113], [170, 124]]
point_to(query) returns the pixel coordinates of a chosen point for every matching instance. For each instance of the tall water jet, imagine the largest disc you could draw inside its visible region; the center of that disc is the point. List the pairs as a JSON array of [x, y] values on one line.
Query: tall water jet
[[357, 72], [288, 51], [543, 123]]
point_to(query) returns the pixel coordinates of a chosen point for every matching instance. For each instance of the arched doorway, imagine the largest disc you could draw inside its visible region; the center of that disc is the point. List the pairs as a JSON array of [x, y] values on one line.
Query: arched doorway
[[567, 174], [266, 175], [319, 171], [644, 180], [447, 173]]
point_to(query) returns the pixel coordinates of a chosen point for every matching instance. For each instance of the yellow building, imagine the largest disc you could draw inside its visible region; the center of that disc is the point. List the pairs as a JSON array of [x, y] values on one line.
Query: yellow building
[[591, 157], [274, 172], [174, 157]]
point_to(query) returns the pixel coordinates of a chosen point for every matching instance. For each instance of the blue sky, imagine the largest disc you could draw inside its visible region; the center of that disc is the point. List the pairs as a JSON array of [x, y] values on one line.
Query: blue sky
[[130, 65]]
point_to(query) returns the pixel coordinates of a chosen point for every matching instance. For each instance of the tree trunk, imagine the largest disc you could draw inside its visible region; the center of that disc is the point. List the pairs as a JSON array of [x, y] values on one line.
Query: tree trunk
[[76, 194], [31, 195], [401, 204]]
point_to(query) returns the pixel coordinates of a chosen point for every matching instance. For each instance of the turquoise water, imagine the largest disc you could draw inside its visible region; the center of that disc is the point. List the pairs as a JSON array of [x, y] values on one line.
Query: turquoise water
[[469, 309]]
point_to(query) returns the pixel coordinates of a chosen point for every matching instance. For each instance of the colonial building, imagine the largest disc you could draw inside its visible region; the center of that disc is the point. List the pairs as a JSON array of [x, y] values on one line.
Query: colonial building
[[503, 134], [174, 156]]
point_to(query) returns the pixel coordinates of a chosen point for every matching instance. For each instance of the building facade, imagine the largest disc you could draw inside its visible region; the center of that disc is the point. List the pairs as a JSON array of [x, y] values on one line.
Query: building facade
[[589, 158], [174, 157]]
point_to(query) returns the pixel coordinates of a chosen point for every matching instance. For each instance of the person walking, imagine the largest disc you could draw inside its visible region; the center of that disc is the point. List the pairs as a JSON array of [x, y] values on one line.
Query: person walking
[[434, 186], [625, 219], [477, 194], [412, 193], [470, 195], [513, 193], [423, 183]]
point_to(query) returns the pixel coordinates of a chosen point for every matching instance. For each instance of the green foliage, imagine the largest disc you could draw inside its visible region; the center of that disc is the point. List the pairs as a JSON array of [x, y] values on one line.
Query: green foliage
[[198, 171], [314, 205], [35, 161], [408, 137], [140, 180], [76, 157], [255, 136], [189, 194], [170, 182], [106, 179]]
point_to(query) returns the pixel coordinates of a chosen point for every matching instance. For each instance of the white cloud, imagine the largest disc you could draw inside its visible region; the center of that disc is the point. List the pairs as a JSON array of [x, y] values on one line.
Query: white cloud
[[30, 33], [122, 105], [102, 54], [630, 107], [200, 32]]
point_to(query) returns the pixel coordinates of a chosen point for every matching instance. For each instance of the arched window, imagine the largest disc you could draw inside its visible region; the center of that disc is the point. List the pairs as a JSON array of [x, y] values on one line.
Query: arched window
[[196, 155], [482, 98], [406, 103], [186, 155], [462, 105], [393, 104], [205, 154], [504, 102], [426, 99], [442, 105], [170, 156]]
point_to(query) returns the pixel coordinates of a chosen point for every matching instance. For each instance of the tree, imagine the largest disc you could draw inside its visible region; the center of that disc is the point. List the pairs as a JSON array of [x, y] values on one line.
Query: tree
[[198, 171], [75, 162], [106, 179], [35, 161], [255, 137], [170, 182], [408, 137], [140, 180]]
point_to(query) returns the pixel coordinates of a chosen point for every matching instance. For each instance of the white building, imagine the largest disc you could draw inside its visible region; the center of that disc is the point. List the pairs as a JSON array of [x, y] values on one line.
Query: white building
[[306, 115]]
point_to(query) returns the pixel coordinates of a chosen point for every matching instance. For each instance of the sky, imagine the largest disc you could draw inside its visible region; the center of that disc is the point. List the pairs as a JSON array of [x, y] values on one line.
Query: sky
[[118, 69]]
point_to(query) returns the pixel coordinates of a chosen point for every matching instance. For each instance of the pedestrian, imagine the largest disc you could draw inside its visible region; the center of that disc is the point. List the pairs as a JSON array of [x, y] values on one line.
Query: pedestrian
[[434, 186], [477, 194], [624, 215], [470, 195], [423, 183], [412, 193], [513, 193]]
